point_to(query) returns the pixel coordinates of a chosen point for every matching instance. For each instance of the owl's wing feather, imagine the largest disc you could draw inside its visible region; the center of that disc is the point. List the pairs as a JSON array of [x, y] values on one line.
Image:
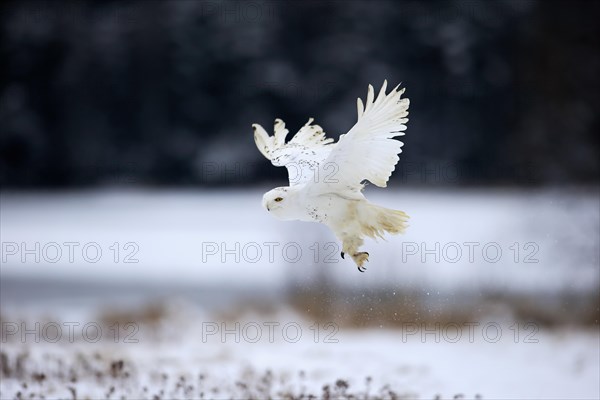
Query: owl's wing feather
[[301, 156], [368, 151]]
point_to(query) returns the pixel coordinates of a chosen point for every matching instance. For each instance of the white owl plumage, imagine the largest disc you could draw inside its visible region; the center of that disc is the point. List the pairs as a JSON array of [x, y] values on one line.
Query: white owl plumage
[[326, 178]]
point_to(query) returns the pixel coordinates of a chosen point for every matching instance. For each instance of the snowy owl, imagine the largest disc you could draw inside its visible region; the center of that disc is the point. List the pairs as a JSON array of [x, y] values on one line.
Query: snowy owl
[[326, 179]]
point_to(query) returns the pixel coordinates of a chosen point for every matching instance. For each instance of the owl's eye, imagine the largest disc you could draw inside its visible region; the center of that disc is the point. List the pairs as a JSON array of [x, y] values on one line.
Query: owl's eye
[[278, 199]]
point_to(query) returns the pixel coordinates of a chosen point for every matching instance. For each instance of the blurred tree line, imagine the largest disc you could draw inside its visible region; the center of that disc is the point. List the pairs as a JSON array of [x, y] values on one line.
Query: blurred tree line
[[164, 93]]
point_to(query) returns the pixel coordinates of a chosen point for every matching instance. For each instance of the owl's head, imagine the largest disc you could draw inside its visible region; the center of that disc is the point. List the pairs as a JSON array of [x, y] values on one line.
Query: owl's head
[[278, 202]]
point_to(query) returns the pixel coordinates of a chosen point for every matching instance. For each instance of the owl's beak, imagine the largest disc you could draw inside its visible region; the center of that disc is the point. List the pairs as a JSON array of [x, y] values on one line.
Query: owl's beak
[[268, 209]]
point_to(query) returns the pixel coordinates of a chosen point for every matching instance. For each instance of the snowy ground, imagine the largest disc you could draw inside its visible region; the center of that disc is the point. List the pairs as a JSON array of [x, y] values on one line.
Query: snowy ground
[[188, 353], [177, 275]]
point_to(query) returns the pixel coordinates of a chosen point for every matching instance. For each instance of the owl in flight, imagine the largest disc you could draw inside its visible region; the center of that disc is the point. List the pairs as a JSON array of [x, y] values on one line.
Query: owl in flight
[[327, 179]]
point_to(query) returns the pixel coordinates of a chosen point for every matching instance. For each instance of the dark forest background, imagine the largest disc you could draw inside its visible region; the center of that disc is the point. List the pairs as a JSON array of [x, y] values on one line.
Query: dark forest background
[[164, 93]]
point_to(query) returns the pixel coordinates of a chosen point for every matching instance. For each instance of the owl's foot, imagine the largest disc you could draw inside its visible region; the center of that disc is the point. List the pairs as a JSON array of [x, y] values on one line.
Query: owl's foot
[[360, 259], [342, 255]]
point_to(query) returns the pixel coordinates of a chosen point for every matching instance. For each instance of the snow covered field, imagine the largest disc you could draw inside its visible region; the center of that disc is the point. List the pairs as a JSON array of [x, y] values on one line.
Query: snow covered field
[[175, 271], [192, 354]]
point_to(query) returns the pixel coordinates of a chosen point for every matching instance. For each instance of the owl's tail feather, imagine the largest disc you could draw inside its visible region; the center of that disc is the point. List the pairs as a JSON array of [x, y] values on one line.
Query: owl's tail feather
[[378, 220]]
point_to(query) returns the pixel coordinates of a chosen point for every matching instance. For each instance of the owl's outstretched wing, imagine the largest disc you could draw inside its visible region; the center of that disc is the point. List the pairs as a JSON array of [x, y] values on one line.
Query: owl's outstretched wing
[[368, 151], [302, 155]]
